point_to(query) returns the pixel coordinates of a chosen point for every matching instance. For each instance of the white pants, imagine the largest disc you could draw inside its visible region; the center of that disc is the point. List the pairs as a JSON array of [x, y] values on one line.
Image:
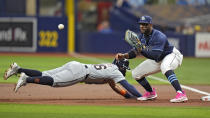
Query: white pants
[[148, 67], [68, 74]]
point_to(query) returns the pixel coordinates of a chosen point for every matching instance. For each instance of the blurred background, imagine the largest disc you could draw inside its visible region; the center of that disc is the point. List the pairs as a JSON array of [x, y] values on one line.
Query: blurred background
[[98, 26]]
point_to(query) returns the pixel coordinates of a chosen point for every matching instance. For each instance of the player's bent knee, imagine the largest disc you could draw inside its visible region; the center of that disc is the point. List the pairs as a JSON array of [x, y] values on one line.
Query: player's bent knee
[[164, 69], [135, 75]]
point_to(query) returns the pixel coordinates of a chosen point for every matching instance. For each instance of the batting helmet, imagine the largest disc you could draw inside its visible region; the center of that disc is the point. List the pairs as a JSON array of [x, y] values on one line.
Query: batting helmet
[[122, 64]]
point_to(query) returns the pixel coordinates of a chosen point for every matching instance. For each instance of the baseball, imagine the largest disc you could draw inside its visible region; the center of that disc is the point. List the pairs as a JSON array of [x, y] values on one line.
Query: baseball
[[60, 26]]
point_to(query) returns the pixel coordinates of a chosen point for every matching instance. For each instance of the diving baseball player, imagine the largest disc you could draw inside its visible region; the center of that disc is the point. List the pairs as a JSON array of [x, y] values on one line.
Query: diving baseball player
[[162, 56], [74, 72]]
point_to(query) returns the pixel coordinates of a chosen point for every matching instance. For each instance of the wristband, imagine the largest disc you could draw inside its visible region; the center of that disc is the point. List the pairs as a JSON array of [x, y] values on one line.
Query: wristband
[[123, 92], [131, 54]]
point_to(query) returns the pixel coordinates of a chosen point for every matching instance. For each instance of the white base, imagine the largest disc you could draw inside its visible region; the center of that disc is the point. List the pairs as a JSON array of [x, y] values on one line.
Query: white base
[[205, 98]]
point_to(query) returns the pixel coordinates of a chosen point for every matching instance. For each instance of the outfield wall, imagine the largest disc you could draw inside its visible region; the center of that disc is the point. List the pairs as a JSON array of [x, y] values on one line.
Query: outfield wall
[[18, 34], [50, 38], [96, 42], [202, 47], [33, 34], [40, 34]]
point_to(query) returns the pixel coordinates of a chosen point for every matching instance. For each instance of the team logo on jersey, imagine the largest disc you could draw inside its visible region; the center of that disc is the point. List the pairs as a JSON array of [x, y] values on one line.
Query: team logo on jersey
[[142, 18]]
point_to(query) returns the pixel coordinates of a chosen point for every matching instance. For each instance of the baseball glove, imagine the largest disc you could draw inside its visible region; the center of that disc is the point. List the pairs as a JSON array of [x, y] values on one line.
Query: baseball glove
[[132, 39]]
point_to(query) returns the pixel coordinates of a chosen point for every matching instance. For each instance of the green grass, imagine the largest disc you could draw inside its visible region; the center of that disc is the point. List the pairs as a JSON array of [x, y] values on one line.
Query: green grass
[[193, 70], [61, 111]]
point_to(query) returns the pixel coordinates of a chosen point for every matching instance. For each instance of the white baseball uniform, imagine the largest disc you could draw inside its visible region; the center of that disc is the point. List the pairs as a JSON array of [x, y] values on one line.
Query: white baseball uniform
[[148, 67], [74, 72]]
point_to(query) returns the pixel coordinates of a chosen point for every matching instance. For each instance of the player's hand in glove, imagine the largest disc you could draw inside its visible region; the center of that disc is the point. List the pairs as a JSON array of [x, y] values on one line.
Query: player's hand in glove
[[132, 39]]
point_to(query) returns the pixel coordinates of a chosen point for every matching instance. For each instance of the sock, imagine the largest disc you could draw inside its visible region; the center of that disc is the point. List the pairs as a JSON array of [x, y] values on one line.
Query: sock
[[173, 80], [44, 80], [29, 72], [143, 81]]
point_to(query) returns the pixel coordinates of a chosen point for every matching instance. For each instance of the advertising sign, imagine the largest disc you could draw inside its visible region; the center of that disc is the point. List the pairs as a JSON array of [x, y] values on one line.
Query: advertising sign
[[50, 37], [202, 45], [18, 34]]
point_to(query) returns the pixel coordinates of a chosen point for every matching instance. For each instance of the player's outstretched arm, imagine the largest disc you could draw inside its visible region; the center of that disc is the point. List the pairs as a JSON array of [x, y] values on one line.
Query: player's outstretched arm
[[129, 55], [119, 90]]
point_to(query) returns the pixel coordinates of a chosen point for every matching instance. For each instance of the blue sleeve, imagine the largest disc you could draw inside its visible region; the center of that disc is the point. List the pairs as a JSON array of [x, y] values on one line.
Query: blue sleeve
[[159, 43], [131, 89], [154, 51]]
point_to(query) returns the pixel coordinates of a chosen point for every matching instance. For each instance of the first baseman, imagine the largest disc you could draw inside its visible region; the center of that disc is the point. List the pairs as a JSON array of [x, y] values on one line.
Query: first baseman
[[74, 72], [162, 56]]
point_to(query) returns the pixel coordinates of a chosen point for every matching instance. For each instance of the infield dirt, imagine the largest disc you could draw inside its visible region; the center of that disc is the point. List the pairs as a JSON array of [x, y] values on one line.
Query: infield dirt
[[82, 94]]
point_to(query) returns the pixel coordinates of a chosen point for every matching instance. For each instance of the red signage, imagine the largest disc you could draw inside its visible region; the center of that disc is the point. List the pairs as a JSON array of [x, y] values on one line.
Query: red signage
[[202, 43]]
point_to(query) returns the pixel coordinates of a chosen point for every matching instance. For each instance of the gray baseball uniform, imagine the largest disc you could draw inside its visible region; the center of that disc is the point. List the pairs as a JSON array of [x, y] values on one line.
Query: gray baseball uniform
[[74, 72]]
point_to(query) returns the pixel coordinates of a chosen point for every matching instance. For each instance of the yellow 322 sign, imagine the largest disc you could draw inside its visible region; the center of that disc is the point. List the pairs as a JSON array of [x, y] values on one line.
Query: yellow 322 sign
[[48, 38]]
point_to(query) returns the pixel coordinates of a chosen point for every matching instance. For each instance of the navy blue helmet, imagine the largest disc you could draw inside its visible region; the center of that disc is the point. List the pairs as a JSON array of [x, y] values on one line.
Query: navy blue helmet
[[122, 64]]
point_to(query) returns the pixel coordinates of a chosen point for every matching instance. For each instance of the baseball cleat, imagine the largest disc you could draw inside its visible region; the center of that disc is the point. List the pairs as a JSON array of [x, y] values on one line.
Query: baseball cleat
[[12, 70], [180, 97], [148, 96], [21, 81]]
